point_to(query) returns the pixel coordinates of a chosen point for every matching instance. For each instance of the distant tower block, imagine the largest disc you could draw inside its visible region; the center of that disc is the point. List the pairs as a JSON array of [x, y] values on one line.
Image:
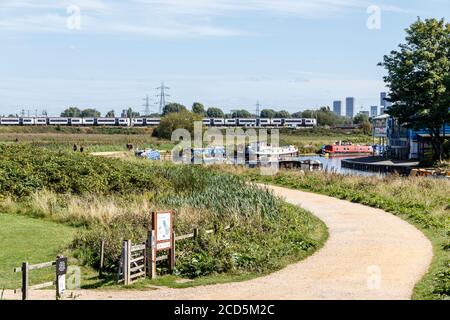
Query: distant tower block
[[350, 107], [373, 111], [337, 107]]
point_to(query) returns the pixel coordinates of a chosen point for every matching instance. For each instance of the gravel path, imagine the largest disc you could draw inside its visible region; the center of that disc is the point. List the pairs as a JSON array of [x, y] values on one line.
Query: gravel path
[[370, 254]]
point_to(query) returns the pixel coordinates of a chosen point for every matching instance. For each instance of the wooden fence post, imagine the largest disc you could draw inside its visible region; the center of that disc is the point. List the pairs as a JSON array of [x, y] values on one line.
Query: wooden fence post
[[102, 256], [126, 262], [152, 255], [172, 253], [196, 233], [25, 281]]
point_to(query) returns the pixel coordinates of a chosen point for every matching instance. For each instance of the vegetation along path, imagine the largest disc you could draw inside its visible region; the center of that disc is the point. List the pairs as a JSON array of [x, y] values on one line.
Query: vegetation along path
[[370, 254]]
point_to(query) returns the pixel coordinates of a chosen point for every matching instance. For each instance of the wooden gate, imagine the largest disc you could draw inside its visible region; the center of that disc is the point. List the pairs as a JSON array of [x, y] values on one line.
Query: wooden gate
[[133, 262]]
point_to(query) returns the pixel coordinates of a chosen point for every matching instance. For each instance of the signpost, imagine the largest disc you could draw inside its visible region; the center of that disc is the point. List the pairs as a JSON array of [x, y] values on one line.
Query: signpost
[[161, 238], [61, 271]]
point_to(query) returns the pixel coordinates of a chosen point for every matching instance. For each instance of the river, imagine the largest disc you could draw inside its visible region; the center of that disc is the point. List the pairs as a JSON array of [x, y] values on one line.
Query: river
[[333, 164]]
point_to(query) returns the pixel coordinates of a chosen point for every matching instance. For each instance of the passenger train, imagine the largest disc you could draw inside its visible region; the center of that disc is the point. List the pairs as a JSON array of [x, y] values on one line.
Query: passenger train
[[149, 122]]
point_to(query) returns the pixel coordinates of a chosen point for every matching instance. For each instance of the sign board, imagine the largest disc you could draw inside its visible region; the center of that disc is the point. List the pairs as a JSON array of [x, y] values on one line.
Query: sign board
[[61, 266], [163, 227]]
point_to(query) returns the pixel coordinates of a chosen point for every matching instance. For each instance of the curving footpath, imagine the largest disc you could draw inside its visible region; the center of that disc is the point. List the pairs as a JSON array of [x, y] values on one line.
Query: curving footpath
[[370, 254]]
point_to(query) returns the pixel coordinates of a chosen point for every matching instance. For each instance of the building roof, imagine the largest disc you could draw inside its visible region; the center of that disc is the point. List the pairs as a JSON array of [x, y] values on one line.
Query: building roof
[[383, 116]]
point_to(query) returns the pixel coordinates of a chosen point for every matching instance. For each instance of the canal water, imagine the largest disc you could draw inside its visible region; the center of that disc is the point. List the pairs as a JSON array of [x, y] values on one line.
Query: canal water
[[334, 164]]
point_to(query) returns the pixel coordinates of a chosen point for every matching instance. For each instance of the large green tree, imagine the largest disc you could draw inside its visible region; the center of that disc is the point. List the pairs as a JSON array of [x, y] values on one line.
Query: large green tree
[[71, 112], [282, 114], [241, 114], [267, 113], [110, 114], [173, 108], [176, 120], [298, 114], [90, 113], [198, 108], [361, 118], [418, 76], [130, 113], [215, 113]]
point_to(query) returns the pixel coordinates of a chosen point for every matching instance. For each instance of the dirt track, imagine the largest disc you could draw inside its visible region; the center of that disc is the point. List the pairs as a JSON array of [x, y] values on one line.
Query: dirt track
[[370, 254]]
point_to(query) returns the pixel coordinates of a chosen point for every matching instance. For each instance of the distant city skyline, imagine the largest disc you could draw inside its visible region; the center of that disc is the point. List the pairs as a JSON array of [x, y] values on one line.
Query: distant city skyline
[[222, 53]]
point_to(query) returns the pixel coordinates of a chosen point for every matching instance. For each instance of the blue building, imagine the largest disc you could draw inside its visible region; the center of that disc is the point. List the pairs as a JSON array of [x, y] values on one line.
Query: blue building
[[409, 144], [337, 107], [350, 107], [373, 111]]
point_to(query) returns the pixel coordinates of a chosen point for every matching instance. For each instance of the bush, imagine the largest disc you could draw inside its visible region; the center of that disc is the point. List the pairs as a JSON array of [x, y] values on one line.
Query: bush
[[176, 120]]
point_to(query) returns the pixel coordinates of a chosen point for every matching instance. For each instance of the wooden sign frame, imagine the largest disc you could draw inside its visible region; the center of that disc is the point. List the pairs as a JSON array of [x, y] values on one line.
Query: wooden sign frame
[[154, 245], [166, 244]]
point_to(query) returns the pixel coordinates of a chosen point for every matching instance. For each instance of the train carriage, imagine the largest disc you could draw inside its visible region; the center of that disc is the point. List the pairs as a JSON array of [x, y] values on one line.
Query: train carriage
[[218, 122], [276, 122], [40, 121], [293, 123], [106, 121], [152, 121], [58, 121], [137, 121], [263, 122], [247, 122], [89, 121], [10, 121], [230, 122], [309, 123], [27, 121], [124, 122], [76, 121]]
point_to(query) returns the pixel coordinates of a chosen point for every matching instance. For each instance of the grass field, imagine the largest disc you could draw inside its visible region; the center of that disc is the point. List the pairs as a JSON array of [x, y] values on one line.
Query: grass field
[[90, 142], [33, 240], [423, 202]]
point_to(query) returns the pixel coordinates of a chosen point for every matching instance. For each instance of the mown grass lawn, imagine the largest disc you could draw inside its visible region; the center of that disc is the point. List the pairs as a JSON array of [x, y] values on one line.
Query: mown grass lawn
[[33, 240]]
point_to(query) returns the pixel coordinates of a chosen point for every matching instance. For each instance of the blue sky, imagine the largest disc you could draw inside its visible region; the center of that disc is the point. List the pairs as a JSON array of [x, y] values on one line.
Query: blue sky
[[290, 54]]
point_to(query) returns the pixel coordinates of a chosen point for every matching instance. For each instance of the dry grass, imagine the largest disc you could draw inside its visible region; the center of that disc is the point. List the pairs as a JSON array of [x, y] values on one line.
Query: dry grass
[[77, 210]]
